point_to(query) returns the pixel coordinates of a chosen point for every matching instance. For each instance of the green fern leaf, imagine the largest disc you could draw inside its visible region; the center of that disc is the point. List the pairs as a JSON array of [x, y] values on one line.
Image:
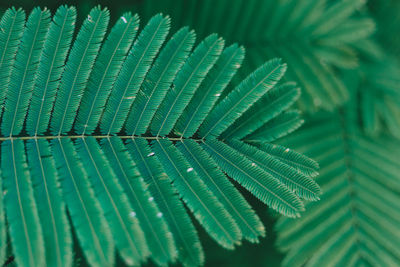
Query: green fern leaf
[[294, 30], [51, 207], [212, 87], [158, 236], [358, 214], [3, 227], [86, 215], [217, 221], [185, 84], [23, 74], [122, 138], [335, 15], [239, 100], [22, 215], [105, 72], [50, 68], [129, 238], [301, 185], [190, 251], [133, 73], [248, 222], [12, 27], [163, 72], [271, 105], [292, 158], [260, 183], [278, 127], [77, 70]]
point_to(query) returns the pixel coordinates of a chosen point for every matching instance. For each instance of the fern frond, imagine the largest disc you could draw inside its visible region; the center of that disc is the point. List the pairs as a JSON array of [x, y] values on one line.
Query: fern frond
[[190, 251], [214, 83], [350, 221], [377, 84], [185, 84], [105, 72], [249, 223], [50, 204], [345, 57], [294, 30], [22, 77], [133, 73], [276, 128], [240, 99], [334, 93], [335, 15], [158, 236], [270, 106], [351, 31], [260, 183], [210, 213], [84, 209], [50, 69], [292, 158], [129, 237], [77, 70], [299, 184], [159, 80], [12, 24], [22, 215], [122, 138]]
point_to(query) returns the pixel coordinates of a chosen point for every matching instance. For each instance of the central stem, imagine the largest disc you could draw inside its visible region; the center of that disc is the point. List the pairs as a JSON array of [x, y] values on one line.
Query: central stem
[[95, 136]]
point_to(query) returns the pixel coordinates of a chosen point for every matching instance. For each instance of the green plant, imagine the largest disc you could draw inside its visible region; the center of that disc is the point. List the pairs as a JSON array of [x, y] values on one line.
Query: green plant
[[315, 38], [348, 66], [107, 138], [357, 219], [346, 57]]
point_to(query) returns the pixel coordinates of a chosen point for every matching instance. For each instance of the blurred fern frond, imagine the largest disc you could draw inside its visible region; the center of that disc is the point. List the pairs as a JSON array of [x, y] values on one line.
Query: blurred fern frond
[[356, 221], [316, 38]]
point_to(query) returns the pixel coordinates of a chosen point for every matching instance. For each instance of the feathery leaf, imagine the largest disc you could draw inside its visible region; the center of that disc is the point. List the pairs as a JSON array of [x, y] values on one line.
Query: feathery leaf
[[207, 95], [202, 202], [185, 84], [358, 213], [129, 237], [50, 69], [335, 15], [11, 29], [242, 97], [269, 106], [22, 215], [3, 226], [158, 81], [84, 209], [278, 127], [158, 236], [77, 70], [190, 252], [303, 186], [23, 74], [248, 222], [292, 158], [51, 207], [174, 136], [105, 72], [133, 73], [260, 183]]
